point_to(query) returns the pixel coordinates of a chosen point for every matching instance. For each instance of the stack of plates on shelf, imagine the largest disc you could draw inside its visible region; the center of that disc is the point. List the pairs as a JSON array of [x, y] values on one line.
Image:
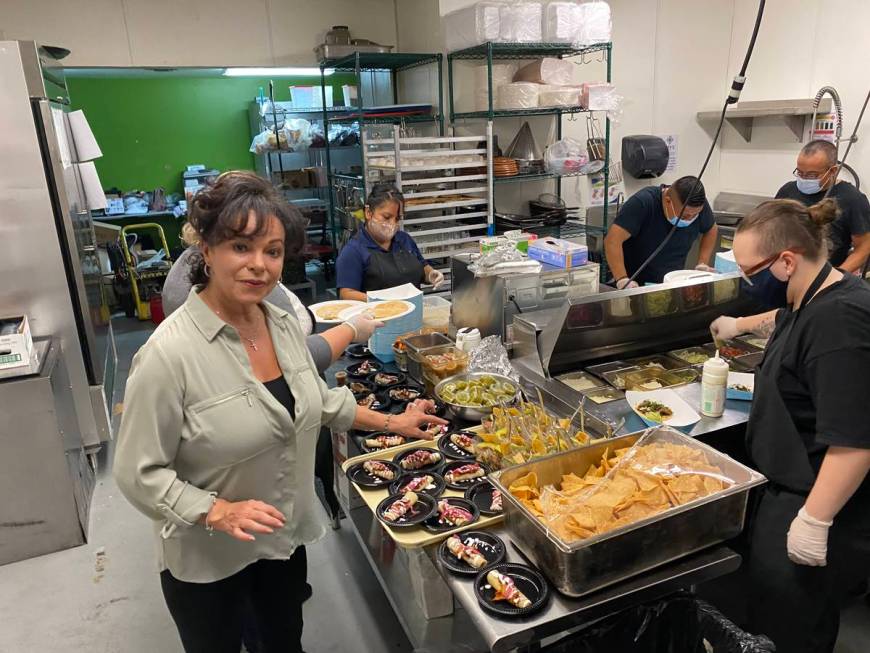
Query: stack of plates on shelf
[[505, 167]]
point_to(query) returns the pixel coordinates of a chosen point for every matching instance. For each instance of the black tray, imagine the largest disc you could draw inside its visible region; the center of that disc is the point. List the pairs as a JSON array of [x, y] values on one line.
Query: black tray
[[361, 477], [434, 524], [462, 486], [358, 351], [446, 446], [436, 490], [353, 370], [490, 546], [423, 509], [480, 495], [433, 467], [529, 581], [369, 436]]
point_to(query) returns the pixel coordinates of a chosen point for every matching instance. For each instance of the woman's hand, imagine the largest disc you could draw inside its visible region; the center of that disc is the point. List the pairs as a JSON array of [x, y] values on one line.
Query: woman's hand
[[409, 423], [363, 326], [237, 517]]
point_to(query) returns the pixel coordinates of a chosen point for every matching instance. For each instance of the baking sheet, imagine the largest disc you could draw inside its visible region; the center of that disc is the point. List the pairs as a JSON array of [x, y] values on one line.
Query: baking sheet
[[416, 537]]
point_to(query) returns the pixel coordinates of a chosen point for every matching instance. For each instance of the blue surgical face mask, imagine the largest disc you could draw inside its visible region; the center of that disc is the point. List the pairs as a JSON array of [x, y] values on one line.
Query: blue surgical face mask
[[674, 219], [809, 186], [767, 290]]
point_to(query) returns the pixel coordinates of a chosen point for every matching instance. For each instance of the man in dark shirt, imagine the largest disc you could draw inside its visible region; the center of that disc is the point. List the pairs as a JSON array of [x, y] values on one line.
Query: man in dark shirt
[[644, 223], [816, 172]]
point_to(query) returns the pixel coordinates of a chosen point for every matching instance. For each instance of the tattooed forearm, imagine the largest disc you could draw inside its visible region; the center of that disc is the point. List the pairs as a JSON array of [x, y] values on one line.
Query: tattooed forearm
[[764, 329]]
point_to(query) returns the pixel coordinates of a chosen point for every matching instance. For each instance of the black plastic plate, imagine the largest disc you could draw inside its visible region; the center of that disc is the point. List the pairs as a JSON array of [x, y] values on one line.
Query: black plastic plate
[[432, 467], [435, 489], [435, 524], [372, 436], [462, 486], [422, 510], [370, 366], [490, 546], [452, 451], [358, 351], [357, 474], [529, 581], [481, 496]]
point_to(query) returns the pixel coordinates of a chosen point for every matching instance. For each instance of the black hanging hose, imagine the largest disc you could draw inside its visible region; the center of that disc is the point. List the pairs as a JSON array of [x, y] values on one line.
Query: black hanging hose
[[733, 95]]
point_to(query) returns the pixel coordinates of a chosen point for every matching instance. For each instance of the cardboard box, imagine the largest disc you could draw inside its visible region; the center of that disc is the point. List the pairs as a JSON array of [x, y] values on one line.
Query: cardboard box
[[559, 253], [16, 343]]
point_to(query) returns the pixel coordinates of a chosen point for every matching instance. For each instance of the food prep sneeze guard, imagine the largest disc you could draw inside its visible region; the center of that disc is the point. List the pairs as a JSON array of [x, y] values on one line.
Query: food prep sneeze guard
[[596, 327]]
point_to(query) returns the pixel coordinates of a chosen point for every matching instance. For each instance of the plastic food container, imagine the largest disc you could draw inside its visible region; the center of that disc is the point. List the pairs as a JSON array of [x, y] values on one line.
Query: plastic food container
[[436, 313], [725, 290], [521, 22], [559, 96], [660, 303], [580, 381], [617, 378], [651, 379], [439, 363], [518, 95], [602, 395]]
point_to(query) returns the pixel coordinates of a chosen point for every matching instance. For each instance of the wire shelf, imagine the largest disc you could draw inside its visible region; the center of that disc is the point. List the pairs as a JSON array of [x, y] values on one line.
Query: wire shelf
[[507, 113], [384, 120], [541, 176], [526, 50], [373, 61]]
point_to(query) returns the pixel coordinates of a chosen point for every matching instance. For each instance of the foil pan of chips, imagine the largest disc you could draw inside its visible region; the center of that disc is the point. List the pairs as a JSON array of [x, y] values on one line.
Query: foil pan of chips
[[595, 516]]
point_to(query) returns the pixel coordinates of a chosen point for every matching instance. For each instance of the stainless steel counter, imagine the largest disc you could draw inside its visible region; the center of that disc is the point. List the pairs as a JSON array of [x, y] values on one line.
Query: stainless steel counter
[[563, 613]]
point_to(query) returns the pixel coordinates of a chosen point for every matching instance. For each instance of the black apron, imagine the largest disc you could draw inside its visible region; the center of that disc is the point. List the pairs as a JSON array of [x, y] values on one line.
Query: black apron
[[775, 445], [393, 268]]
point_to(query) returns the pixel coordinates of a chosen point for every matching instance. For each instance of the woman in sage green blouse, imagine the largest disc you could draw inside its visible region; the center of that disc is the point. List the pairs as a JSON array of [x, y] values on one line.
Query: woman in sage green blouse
[[222, 411]]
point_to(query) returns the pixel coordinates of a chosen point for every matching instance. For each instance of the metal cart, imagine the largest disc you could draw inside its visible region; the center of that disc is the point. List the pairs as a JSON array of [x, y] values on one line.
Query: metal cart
[[144, 283]]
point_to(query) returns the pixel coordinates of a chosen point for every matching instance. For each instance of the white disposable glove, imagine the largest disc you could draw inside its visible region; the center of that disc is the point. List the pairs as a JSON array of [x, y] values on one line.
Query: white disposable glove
[[724, 328], [363, 325], [624, 283], [703, 267], [435, 277], [807, 541]]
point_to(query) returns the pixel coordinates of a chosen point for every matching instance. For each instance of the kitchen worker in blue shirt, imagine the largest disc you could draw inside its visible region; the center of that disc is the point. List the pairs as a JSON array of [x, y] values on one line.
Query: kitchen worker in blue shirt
[[644, 223], [381, 255]]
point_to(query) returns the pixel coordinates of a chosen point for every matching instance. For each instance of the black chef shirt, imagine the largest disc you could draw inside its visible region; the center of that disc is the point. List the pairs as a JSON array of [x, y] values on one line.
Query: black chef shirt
[[824, 378], [643, 217], [854, 218]]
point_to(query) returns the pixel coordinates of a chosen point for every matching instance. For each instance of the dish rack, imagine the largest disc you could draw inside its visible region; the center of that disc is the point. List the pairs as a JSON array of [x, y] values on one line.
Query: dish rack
[[447, 182]]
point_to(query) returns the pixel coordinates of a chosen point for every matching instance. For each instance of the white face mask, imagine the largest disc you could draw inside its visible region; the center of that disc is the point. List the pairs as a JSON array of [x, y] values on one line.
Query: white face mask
[[382, 231]]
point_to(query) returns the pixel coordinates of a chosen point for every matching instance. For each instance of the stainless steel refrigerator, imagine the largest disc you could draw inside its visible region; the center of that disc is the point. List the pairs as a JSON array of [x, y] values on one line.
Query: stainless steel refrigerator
[[49, 267]]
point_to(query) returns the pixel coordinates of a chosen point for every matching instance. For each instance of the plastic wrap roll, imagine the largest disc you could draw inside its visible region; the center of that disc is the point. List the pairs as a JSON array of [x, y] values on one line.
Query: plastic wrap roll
[[479, 23], [519, 95], [522, 22], [594, 23], [548, 70], [562, 21], [559, 96]]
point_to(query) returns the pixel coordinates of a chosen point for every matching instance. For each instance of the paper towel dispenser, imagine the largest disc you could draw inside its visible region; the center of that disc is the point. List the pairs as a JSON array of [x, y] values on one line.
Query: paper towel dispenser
[[644, 156]]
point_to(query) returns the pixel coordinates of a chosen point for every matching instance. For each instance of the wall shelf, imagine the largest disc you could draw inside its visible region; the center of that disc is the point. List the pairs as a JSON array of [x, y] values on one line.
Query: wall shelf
[[794, 113]]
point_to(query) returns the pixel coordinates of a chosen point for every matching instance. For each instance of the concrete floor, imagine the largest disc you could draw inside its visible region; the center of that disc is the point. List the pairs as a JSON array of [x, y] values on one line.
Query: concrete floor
[[105, 597]]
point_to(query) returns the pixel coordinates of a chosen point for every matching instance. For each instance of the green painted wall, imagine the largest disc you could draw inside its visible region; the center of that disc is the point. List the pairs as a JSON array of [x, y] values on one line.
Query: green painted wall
[[150, 129]]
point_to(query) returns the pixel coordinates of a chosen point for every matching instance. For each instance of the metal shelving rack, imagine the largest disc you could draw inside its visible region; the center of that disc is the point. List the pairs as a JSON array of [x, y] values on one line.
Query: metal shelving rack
[[490, 52], [440, 228], [393, 63]]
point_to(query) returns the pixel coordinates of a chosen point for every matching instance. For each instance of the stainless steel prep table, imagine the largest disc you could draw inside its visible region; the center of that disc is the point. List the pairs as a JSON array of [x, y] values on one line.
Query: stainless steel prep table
[[439, 612]]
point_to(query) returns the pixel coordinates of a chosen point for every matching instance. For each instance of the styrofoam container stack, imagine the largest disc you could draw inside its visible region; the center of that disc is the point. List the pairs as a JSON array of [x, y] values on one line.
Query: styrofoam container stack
[[473, 25], [502, 73], [547, 70], [595, 24], [562, 21], [518, 95], [522, 22]]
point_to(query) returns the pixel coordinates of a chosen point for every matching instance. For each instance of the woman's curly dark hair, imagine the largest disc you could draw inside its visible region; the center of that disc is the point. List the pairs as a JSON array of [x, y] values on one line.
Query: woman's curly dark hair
[[220, 212]]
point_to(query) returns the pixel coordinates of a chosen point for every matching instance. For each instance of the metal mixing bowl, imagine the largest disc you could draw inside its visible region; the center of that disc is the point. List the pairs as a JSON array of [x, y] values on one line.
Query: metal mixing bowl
[[473, 413]]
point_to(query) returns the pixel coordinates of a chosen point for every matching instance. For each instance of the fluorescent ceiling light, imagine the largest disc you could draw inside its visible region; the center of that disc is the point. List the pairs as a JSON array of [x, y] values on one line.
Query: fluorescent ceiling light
[[275, 72]]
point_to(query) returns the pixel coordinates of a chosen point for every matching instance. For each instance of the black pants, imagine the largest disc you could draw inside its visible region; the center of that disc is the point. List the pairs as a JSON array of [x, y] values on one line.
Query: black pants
[[324, 469], [210, 616], [798, 606]]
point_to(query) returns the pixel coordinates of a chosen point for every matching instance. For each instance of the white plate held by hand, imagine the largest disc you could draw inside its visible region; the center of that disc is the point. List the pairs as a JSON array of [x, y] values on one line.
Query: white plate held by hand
[[350, 312], [345, 304], [745, 379], [684, 415]]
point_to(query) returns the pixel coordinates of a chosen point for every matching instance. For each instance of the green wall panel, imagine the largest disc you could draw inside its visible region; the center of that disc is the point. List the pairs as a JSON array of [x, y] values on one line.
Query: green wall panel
[[150, 129]]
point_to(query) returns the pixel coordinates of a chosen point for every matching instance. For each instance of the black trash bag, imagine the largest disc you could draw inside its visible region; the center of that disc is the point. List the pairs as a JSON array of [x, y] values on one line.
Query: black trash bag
[[678, 624]]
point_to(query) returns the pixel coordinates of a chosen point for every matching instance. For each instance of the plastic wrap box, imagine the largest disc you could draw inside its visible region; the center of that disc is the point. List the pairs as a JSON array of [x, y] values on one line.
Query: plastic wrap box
[[559, 253]]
